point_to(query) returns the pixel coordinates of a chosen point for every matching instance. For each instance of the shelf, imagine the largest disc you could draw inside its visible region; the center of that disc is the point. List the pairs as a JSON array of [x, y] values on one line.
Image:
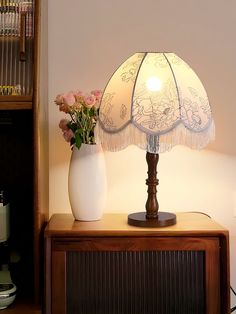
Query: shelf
[[16, 106], [20, 307], [14, 37], [9, 37], [15, 102]]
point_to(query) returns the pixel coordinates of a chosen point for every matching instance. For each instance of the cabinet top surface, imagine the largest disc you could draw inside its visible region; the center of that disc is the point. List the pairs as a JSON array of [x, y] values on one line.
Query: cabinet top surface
[[188, 224]]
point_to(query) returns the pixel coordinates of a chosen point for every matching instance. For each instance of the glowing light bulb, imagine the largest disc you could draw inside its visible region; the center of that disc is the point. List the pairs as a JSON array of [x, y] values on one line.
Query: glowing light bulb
[[154, 84]]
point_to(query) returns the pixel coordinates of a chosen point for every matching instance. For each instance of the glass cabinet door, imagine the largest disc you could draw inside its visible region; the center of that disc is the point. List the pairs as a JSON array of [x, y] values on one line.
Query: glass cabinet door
[[16, 47]]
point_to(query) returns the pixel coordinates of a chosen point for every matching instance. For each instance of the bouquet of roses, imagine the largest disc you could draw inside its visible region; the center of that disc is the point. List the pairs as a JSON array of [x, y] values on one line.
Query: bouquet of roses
[[83, 111]]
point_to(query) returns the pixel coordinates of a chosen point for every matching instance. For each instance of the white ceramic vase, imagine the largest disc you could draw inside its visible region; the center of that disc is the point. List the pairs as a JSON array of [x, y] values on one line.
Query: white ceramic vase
[[87, 182]]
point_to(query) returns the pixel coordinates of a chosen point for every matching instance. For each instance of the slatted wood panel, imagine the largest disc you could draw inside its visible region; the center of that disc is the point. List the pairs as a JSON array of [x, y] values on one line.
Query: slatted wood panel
[[130, 282]]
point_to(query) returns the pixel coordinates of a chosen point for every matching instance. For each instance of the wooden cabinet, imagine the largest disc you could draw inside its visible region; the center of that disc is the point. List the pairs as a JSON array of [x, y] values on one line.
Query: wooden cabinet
[[22, 175], [110, 267]]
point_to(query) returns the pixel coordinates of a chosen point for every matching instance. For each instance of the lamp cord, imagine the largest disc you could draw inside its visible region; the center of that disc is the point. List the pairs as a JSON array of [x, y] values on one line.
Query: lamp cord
[[233, 308]]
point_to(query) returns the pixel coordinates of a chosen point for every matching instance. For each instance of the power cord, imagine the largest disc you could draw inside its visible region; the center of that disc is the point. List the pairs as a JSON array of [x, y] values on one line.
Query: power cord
[[233, 308]]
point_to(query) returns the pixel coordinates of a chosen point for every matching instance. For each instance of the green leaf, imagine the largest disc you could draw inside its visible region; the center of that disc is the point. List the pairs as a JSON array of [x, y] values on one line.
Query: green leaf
[[78, 140], [72, 126], [80, 131], [91, 112]]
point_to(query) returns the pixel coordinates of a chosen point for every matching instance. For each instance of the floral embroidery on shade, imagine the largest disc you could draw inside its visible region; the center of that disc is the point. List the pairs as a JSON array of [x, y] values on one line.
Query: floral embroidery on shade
[[173, 109]]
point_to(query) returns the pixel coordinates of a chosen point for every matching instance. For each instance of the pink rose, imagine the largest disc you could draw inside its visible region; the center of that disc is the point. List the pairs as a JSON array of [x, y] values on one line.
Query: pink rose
[[89, 101], [64, 124], [78, 93], [79, 99], [77, 106], [64, 108], [68, 135], [97, 93], [59, 99], [69, 98]]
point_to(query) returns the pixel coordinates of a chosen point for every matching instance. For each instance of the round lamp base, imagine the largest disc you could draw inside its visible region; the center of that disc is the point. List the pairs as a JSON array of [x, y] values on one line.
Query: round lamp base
[[163, 220]]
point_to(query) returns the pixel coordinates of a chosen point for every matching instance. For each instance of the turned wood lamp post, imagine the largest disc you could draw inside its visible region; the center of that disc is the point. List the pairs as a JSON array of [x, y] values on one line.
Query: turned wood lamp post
[[155, 101]]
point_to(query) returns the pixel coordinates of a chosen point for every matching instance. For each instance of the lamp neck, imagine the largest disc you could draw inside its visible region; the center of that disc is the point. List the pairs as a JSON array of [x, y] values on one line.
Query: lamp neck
[[152, 205]]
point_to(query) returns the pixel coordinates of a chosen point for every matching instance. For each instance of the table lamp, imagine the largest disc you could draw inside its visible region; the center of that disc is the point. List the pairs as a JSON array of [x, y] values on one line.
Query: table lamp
[[155, 101]]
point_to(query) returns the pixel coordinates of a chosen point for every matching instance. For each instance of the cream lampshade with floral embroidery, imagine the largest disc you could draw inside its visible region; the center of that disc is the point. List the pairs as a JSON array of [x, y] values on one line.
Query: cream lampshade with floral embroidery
[[155, 101]]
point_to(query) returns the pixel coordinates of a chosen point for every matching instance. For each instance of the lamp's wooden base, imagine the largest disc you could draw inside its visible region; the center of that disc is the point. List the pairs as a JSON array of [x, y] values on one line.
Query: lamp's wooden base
[[163, 220]]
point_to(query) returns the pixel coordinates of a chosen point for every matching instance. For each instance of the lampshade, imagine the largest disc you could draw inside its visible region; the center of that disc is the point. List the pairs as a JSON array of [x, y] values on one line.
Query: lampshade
[[155, 101]]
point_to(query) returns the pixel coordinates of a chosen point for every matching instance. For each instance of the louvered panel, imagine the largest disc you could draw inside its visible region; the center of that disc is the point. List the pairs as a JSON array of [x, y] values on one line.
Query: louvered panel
[[163, 282]]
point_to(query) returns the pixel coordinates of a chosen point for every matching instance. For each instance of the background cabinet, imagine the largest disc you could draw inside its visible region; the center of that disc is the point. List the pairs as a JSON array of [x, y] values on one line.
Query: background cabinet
[[17, 32], [22, 174], [110, 267]]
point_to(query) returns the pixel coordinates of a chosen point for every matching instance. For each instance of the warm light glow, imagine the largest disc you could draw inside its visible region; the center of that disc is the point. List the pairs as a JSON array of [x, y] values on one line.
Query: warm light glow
[[154, 84], [156, 101]]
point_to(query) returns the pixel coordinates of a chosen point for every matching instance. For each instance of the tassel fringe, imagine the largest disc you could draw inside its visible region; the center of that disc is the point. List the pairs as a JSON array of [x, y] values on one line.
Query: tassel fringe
[[179, 135]]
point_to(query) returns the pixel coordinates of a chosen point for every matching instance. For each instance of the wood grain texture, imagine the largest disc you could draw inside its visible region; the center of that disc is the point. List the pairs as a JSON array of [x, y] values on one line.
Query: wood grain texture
[[112, 236], [116, 225]]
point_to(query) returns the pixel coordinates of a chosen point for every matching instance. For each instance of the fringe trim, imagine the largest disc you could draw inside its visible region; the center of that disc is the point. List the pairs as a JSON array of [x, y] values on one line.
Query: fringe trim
[[180, 135]]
